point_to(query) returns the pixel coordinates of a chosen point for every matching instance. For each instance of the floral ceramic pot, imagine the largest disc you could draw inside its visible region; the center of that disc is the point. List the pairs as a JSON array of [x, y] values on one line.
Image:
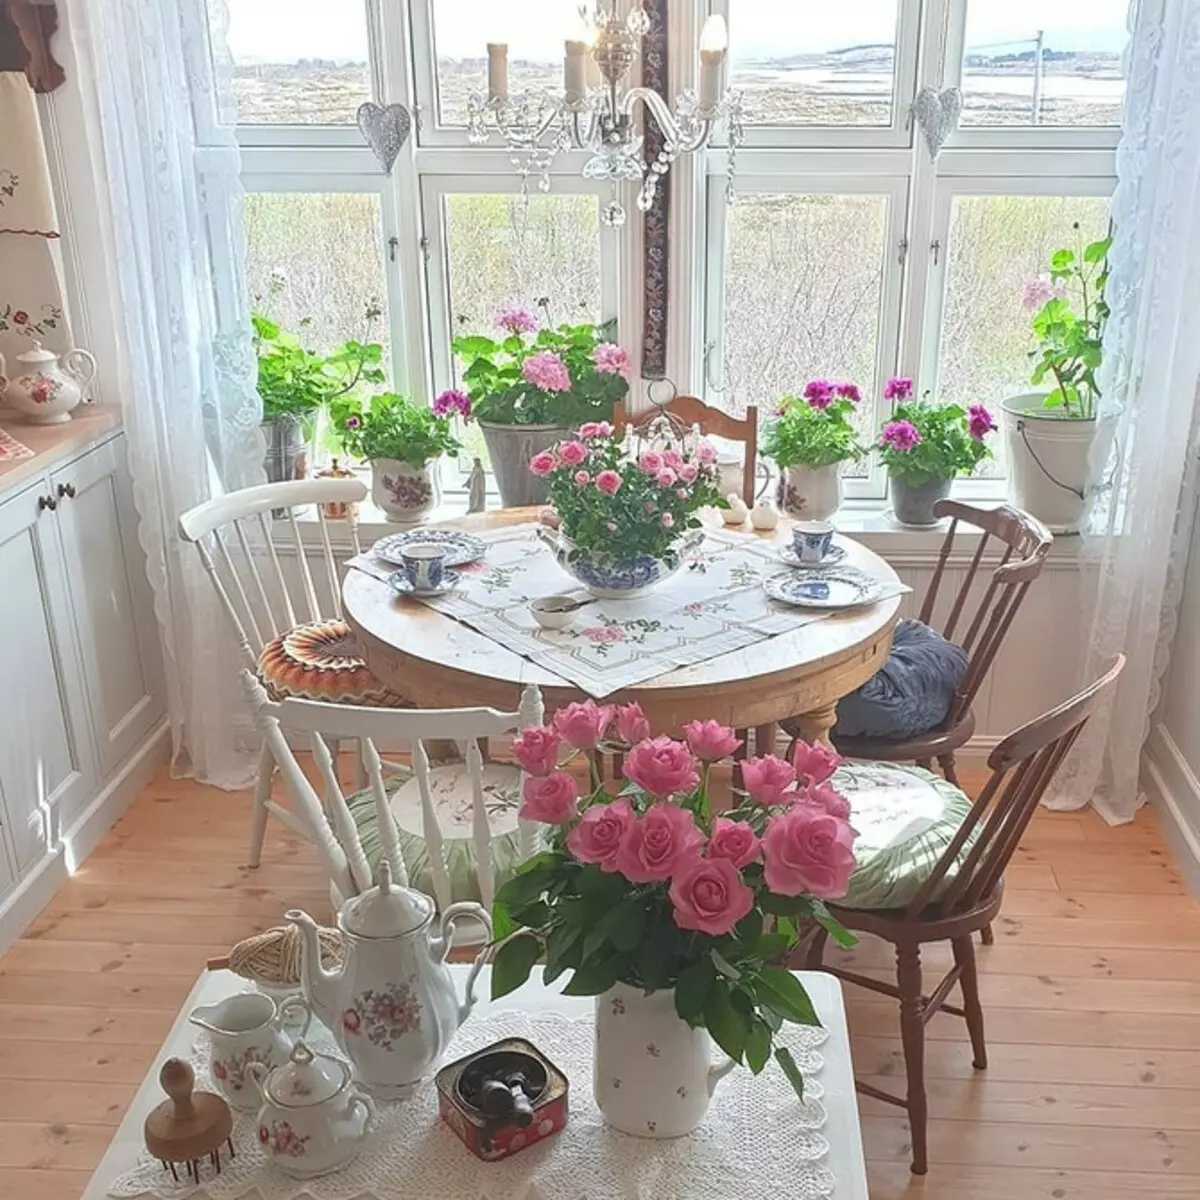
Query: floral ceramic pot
[[404, 492], [609, 578], [809, 493], [913, 502]]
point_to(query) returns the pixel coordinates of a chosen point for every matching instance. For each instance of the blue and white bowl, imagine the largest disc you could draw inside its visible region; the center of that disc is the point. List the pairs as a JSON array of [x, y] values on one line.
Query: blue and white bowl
[[609, 578]]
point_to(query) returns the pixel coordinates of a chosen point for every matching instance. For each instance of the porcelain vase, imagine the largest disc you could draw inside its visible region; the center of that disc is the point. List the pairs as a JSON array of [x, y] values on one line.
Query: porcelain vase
[[913, 502], [610, 578], [809, 493], [653, 1075], [406, 493]]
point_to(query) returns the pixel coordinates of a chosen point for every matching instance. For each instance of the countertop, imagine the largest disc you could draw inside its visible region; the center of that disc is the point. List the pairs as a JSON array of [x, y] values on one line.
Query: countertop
[[50, 443]]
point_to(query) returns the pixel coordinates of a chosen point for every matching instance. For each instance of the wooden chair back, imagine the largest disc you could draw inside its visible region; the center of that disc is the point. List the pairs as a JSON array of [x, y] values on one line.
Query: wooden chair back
[[233, 535], [1026, 542], [1023, 765], [688, 411], [328, 822]]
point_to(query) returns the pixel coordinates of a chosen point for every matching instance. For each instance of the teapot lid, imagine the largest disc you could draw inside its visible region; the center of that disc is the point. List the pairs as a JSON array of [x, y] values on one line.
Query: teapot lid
[[385, 910], [306, 1078], [37, 355]]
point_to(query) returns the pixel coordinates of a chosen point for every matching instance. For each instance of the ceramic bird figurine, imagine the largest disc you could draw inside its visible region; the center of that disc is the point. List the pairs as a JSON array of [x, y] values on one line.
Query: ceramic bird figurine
[[737, 512], [763, 516]]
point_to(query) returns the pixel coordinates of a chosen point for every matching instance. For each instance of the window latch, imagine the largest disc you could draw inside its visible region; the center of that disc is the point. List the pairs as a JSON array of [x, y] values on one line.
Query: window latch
[[393, 242], [424, 244], [936, 247], [903, 251]]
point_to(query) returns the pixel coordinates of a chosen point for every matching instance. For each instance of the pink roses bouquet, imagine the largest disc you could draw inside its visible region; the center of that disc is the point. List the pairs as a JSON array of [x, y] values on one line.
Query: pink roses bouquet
[[650, 888]]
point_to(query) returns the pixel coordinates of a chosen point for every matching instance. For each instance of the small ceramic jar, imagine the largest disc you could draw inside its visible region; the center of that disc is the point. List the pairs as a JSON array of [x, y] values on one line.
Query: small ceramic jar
[[313, 1119]]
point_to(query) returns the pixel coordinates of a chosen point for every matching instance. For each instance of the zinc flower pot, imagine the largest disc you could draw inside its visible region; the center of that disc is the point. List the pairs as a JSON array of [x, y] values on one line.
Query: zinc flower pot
[[510, 447], [406, 493], [809, 493], [286, 455], [1048, 461], [913, 502]]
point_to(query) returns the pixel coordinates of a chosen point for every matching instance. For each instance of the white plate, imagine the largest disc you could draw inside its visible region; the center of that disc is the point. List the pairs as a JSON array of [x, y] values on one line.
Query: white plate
[[460, 547], [789, 556], [399, 581], [826, 588]]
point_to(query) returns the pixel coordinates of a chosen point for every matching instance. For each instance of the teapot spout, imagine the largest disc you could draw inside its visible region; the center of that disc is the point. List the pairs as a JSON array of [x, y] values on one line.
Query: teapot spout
[[318, 984]]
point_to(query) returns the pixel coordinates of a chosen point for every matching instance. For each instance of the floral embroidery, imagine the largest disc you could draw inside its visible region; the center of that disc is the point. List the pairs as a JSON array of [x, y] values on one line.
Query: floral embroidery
[[281, 1138], [19, 321], [743, 574], [652, 1050], [384, 1016], [408, 491], [681, 1092], [497, 579], [231, 1071], [9, 182], [618, 1006], [616, 1084], [610, 630]]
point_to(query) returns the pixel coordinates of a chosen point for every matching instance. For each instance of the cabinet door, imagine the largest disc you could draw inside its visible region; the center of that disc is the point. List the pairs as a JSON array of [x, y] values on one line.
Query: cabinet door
[[114, 611], [46, 762]]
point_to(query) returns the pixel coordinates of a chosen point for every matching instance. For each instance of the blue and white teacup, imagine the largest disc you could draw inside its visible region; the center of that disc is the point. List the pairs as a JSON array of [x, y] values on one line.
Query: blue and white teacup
[[812, 541], [424, 566]]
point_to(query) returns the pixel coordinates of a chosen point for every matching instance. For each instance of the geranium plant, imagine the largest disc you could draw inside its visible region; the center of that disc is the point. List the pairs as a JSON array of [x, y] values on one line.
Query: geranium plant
[[392, 426], [1069, 325], [924, 441], [652, 889], [815, 429], [537, 374], [623, 503]]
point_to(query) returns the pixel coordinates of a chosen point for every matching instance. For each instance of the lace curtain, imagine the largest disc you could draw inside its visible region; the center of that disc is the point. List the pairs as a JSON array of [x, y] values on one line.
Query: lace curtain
[[1134, 549], [167, 167]]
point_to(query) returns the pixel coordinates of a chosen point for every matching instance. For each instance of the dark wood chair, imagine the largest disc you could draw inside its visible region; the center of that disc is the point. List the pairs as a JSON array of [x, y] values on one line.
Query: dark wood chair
[[687, 411], [1026, 543], [959, 899]]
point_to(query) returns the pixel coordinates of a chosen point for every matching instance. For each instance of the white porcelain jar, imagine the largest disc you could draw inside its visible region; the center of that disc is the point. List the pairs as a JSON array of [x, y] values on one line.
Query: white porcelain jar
[[46, 389]]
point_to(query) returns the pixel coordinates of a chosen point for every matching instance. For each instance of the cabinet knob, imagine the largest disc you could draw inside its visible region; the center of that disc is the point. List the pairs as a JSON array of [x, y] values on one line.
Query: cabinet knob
[[45, 502], [67, 490]]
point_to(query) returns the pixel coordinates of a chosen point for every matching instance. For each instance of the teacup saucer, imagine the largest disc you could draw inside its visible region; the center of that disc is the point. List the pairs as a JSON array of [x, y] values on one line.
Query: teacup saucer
[[399, 581], [789, 556]]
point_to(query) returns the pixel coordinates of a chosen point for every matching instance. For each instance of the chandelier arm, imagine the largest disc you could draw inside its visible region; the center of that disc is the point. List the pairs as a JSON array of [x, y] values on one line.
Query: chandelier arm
[[685, 136], [518, 131]]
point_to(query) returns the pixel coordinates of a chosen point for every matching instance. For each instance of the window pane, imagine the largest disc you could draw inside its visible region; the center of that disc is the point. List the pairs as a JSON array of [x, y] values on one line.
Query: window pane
[[810, 64], [299, 62], [1026, 62], [534, 31], [997, 245], [803, 295]]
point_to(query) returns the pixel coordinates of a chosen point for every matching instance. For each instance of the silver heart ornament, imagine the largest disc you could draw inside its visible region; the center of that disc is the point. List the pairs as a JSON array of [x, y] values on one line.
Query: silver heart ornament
[[386, 129], [937, 114]]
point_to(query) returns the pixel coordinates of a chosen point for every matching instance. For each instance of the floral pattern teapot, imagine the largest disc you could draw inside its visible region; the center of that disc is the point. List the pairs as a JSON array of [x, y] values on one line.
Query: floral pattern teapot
[[392, 1006], [47, 388]]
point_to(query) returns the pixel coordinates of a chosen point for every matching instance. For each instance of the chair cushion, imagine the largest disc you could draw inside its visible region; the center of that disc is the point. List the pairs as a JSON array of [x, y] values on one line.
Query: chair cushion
[[911, 693], [450, 788], [320, 661], [906, 818]]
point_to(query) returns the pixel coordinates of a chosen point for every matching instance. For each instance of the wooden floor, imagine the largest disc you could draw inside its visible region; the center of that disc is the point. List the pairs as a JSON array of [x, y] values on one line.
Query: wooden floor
[[1092, 996]]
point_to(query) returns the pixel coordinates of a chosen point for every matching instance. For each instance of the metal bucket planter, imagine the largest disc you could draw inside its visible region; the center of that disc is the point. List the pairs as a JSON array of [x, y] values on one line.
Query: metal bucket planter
[[913, 502], [286, 449], [1048, 461], [510, 447]]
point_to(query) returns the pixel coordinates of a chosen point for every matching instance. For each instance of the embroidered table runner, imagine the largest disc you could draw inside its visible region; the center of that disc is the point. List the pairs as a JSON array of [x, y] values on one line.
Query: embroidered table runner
[[715, 604]]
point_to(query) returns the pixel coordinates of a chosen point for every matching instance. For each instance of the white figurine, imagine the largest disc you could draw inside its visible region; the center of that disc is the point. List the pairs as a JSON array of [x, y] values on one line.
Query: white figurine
[[737, 512], [763, 516]]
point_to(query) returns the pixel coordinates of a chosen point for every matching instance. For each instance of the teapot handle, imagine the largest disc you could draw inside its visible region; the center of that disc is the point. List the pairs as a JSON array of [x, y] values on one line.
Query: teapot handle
[[81, 366], [295, 1002], [481, 914], [3, 375], [718, 1071]]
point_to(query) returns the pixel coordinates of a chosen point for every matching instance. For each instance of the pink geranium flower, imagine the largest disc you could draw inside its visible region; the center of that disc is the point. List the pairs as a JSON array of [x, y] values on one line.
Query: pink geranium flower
[[979, 423], [819, 393], [611, 360], [547, 371], [552, 800], [572, 453], [848, 391], [601, 830], [543, 463], [452, 401], [899, 387], [900, 435], [734, 840], [536, 749], [709, 896], [659, 844], [608, 482], [662, 767], [1036, 293], [710, 740], [516, 319], [583, 725], [767, 778], [807, 850]]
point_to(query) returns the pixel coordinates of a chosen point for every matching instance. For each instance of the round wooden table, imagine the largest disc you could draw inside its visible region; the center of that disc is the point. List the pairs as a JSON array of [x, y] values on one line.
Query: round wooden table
[[439, 663]]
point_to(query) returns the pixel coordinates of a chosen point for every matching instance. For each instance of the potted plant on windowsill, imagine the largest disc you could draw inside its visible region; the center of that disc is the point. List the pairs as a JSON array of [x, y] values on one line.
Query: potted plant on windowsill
[[924, 446], [1049, 435], [810, 438], [532, 386], [403, 442]]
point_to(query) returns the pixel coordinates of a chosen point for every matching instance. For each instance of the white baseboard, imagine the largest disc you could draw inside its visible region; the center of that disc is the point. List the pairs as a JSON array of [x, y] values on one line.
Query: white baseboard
[[1174, 789], [38, 888]]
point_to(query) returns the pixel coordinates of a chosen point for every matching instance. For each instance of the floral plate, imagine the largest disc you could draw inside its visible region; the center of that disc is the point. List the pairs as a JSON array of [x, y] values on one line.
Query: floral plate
[[828, 587], [460, 547], [399, 581], [789, 557]]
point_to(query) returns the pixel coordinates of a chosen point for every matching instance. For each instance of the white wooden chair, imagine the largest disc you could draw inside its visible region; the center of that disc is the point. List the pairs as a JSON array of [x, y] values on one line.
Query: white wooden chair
[[408, 834], [290, 631]]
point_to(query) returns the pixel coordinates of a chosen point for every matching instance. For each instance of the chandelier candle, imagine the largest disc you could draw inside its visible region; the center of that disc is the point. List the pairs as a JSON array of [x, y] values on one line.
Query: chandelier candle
[[575, 72], [714, 40], [497, 71]]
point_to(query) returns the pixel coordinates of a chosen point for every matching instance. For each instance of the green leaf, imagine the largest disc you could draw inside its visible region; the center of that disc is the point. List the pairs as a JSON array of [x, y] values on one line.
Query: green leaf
[[832, 925], [758, 1044], [724, 966], [513, 962], [562, 950], [593, 978], [783, 1056], [749, 928], [502, 923], [782, 991], [1097, 251], [1060, 260], [533, 915], [770, 945], [628, 925], [692, 990], [783, 906], [727, 1026]]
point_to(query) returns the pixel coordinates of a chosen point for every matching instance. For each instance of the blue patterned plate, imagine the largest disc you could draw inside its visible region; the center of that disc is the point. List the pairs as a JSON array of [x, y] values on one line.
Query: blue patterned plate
[[789, 557], [827, 588], [460, 547], [399, 581]]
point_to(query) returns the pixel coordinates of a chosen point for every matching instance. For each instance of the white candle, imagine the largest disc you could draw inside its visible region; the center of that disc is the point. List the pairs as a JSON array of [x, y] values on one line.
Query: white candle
[[713, 42], [497, 71], [574, 71]]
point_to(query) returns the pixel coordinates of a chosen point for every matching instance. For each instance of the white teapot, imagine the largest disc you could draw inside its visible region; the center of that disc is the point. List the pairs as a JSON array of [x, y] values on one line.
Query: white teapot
[[312, 1119], [46, 388], [392, 1005]]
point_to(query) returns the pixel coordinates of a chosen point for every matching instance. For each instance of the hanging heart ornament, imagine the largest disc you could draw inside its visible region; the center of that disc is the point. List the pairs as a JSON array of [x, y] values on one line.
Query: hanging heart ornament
[[937, 114], [386, 129]]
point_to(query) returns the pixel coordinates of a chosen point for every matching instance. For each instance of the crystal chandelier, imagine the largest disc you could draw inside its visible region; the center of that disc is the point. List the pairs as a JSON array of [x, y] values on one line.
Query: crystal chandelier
[[597, 113]]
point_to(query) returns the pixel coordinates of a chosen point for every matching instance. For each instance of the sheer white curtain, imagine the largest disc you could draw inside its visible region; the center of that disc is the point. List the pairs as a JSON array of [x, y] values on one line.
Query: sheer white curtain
[[1134, 550], [166, 169]]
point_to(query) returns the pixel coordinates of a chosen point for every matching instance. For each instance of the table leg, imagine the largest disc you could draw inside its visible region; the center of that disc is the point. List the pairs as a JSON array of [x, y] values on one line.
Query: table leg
[[765, 737], [815, 725]]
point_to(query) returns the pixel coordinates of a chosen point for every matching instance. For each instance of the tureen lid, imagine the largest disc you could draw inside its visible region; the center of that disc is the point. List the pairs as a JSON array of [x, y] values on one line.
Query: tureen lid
[[37, 355], [306, 1078], [386, 910]]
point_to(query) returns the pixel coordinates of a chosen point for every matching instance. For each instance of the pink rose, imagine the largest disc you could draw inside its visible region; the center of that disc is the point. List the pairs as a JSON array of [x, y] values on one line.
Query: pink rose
[[649, 506], [589, 429], [767, 778], [673, 459], [552, 800], [708, 895], [734, 840], [537, 749], [572, 453], [710, 740], [688, 472], [824, 797], [706, 452], [681, 493], [668, 521], [650, 461], [608, 482], [582, 478], [542, 464], [815, 762], [583, 725], [665, 478], [601, 830], [660, 844], [632, 725], [806, 850], [661, 766]]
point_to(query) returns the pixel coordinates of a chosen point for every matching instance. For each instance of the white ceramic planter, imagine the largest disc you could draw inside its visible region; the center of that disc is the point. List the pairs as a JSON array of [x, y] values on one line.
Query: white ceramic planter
[[1048, 464], [652, 1073], [809, 493], [405, 493]]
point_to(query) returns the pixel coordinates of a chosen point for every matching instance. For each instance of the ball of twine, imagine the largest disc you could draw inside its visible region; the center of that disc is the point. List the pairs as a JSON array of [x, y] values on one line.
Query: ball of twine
[[273, 957]]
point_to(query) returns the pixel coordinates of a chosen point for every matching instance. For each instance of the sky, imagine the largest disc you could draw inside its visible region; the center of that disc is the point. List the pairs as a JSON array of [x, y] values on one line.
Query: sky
[[286, 30]]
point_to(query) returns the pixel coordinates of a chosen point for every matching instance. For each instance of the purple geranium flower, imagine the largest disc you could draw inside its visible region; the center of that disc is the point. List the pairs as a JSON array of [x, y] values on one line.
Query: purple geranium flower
[[980, 422], [452, 401], [900, 435], [516, 319], [848, 391], [819, 393], [899, 387]]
